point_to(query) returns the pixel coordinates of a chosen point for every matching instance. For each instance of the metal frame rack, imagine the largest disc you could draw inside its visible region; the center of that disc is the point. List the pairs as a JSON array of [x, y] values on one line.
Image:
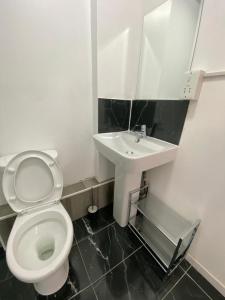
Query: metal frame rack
[[166, 234]]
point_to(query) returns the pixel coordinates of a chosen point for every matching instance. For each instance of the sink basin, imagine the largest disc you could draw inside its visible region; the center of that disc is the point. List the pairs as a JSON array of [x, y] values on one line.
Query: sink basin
[[122, 149], [131, 158]]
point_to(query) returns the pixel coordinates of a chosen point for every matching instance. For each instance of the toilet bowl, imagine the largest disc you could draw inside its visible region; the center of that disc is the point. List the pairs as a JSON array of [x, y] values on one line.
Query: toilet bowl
[[42, 235]]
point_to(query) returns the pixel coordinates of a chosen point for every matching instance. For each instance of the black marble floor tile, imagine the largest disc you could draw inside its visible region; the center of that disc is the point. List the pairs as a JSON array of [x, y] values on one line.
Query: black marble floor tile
[[105, 249], [77, 279], [205, 285], [79, 275], [136, 278], [14, 289], [186, 289], [5, 274], [87, 294], [89, 225]]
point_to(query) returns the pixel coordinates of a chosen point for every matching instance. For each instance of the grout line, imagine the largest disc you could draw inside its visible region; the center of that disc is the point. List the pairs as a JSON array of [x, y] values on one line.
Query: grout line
[[110, 270], [185, 274], [89, 278], [184, 268], [88, 286], [188, 268], [94, 292], [170, 290], [102, 276], [80, 291], [199, 287]]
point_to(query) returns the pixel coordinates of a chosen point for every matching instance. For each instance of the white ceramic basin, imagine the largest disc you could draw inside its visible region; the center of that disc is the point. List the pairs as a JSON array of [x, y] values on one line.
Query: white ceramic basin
[[122, 149], [131, 159]]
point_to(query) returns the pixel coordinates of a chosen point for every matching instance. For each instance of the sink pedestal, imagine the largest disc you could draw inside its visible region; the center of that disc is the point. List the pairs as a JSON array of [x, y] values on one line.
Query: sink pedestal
[[124, 183], [130, 160]]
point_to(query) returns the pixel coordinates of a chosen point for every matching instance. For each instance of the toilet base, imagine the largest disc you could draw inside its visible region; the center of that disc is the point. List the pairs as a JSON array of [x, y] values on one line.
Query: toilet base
[[53, 283]]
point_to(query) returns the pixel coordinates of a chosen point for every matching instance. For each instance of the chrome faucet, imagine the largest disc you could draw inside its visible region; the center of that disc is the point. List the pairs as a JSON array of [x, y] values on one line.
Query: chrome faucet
[[141, 133]]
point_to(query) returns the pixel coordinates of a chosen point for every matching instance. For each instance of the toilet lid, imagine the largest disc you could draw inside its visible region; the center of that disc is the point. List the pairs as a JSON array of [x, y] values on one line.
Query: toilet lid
[[31, 179]]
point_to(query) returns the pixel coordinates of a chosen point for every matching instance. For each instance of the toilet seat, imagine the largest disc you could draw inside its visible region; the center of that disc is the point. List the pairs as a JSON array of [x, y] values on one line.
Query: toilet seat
[[32, 179]]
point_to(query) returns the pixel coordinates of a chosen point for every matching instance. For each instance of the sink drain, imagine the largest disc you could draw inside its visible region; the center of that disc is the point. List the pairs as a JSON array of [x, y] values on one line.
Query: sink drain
[[129, 152]]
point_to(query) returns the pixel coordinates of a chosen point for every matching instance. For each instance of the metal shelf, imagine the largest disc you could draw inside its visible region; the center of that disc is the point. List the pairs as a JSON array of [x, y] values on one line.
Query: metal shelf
[[167, 233]]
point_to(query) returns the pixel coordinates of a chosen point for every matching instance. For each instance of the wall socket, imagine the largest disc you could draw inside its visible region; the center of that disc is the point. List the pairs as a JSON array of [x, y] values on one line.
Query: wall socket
[[192, 85]]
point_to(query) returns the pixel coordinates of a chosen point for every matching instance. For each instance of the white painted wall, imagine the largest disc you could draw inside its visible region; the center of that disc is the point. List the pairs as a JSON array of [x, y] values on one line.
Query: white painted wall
[[46, 81], [119, 34], [194, 183]]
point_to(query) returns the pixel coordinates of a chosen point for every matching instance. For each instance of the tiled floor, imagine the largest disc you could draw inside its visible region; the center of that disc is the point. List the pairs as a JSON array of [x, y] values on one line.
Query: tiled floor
[[108, 262]]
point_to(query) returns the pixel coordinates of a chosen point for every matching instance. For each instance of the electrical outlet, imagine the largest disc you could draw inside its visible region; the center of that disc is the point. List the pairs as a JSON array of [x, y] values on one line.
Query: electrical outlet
[[192, 85]]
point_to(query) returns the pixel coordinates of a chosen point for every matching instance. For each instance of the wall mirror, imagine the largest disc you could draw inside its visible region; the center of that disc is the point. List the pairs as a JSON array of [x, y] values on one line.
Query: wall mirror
[[145, 47], [168, 41]]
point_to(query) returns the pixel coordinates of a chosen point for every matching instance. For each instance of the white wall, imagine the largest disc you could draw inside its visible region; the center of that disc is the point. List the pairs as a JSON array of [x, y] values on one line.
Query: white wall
[[194, 183], [46, 81], [119, 34]]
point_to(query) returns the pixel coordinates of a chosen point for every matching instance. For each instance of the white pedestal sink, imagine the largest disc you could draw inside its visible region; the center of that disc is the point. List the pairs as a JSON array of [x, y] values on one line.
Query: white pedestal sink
[[131, 158]]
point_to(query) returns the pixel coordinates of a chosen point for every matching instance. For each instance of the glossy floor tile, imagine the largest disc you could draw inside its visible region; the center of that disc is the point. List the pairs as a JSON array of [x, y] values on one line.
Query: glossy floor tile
[[14, 289], [5, 274], [108, 262], [89, 225], [187, 289], [205, 285], [88, 294], [77, 279], [105, 249], [136, 278]]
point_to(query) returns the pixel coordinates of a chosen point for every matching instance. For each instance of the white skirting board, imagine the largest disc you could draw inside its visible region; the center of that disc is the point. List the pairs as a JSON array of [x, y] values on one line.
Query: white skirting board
[[208, 276]]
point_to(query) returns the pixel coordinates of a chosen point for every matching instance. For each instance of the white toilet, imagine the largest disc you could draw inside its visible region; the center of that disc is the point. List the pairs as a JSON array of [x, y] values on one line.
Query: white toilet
[[42, 235]]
